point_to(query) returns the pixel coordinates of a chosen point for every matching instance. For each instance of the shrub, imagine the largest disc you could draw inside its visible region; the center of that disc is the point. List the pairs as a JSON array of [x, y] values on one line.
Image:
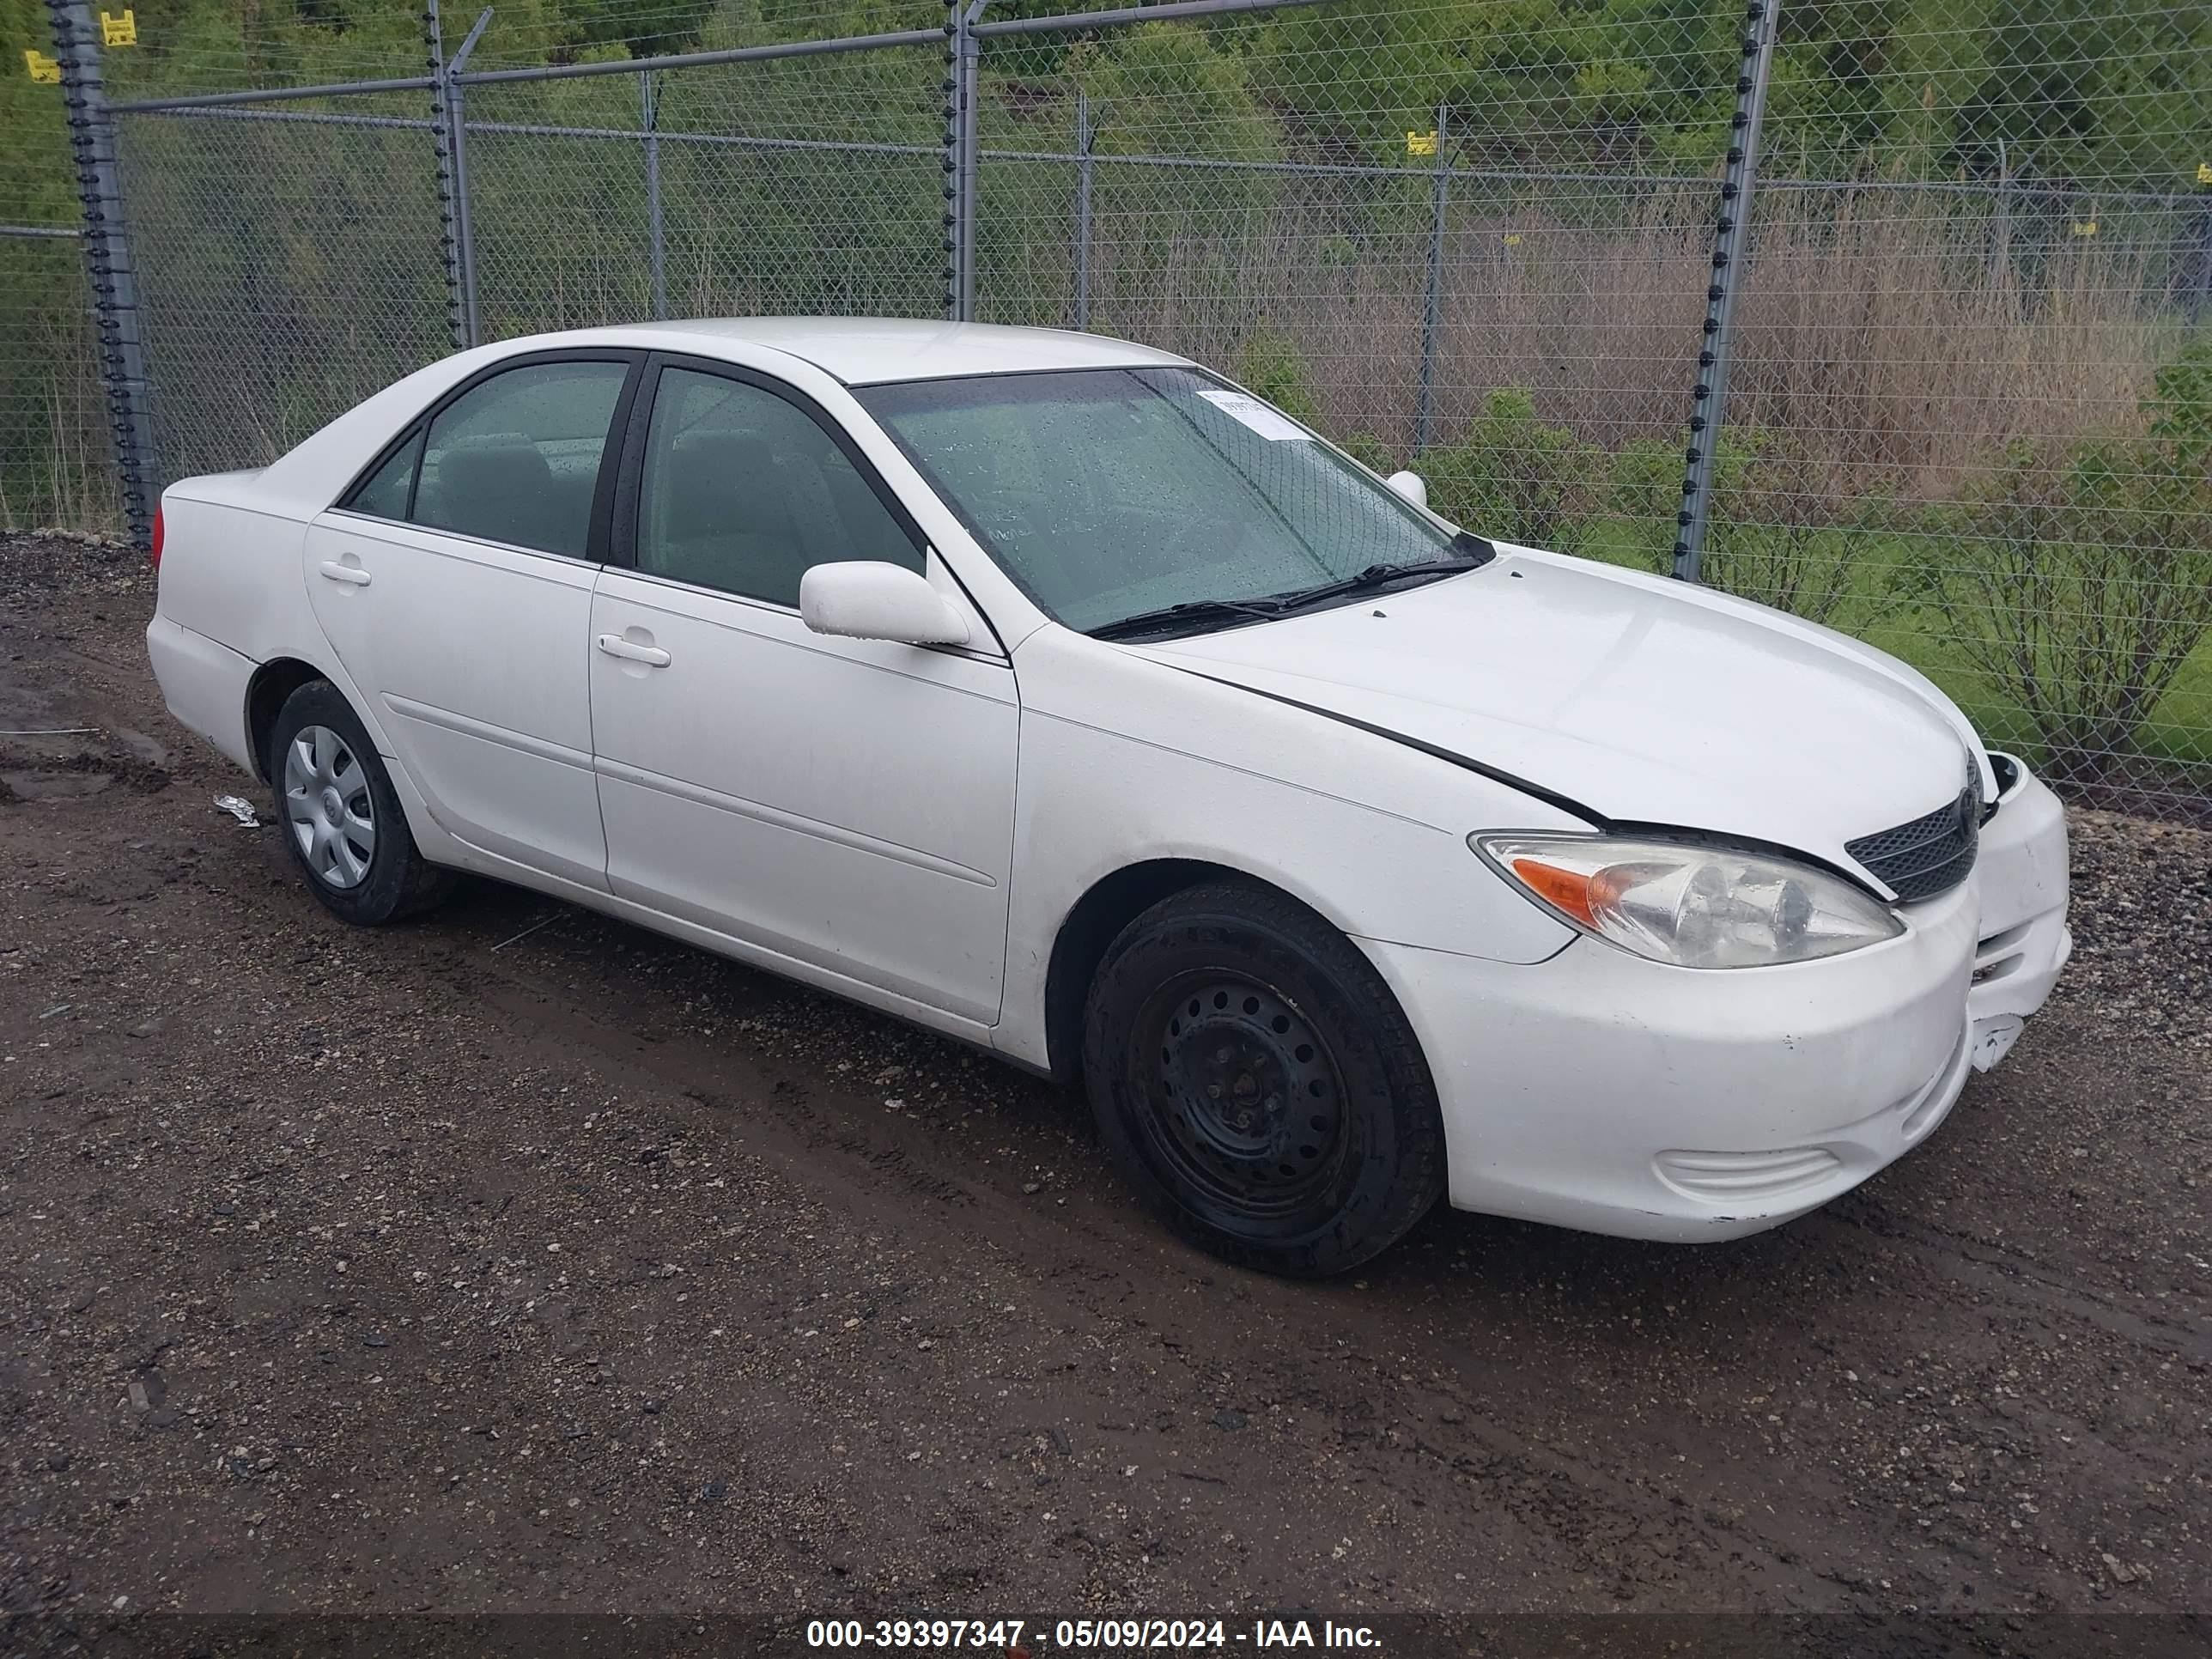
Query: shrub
[[1273, 369], [1371, 452], [1773, 534], [2085, 579], [1514, 478]]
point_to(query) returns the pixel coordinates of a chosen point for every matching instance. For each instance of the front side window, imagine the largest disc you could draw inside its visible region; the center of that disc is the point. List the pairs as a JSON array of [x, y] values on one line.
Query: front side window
[[516, 459], [1115, 494], [743, 492]]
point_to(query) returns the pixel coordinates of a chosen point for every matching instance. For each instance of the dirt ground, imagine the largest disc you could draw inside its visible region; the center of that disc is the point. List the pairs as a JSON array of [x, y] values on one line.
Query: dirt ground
[[516, 1259]]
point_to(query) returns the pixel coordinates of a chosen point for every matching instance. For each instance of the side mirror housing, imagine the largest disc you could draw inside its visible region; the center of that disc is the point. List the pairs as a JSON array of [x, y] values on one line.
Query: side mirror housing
[[869, 599], [1409, 485]]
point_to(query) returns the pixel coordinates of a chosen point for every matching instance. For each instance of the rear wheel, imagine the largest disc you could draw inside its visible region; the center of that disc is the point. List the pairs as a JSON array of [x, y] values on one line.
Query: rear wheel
[[1258, 1084], [341, 817]]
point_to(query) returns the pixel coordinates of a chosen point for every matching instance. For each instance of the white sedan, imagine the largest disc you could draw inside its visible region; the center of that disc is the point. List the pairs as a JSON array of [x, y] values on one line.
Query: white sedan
[[1054, 693]]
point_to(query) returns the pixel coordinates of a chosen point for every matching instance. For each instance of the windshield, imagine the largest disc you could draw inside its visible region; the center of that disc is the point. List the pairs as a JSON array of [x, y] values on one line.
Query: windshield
[[1111, 494]]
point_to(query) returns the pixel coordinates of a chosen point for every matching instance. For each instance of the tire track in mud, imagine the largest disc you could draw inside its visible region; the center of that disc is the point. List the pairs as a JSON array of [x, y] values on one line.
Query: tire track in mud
[[1617, 1533]]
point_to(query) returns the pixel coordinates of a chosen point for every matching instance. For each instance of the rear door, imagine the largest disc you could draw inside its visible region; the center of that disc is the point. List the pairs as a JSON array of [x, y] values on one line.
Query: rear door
[[455, 582], [844, 803]]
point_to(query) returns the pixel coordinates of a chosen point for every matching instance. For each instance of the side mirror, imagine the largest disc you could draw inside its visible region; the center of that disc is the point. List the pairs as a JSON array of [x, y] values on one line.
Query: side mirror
[[1409, 485], [872, 601]]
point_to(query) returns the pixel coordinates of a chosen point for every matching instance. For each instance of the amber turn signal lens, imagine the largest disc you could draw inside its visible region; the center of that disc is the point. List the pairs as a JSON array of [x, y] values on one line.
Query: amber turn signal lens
[[1563, 889]]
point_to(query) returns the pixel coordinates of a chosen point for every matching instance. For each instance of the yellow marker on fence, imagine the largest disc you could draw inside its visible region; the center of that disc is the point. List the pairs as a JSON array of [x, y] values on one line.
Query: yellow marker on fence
[[45, 70], [1421, 143], [2204, 172], [2083, 227], [119, 31], [1513, 239]]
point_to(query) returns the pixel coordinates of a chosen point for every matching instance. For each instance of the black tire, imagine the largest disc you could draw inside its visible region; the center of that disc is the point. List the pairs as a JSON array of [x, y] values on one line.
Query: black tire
[[395, 880], [1258, 1084]]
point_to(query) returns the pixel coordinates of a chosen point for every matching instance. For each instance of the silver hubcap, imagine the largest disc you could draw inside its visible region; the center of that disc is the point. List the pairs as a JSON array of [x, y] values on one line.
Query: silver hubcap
[[326, 799]]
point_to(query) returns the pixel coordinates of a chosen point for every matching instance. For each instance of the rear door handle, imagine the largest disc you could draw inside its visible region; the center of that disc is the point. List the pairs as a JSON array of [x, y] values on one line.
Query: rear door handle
[[615, 645], [352, 574]]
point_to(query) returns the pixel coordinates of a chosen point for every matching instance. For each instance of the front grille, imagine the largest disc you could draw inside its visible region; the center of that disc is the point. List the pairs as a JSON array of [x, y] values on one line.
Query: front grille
[[1933, 853]]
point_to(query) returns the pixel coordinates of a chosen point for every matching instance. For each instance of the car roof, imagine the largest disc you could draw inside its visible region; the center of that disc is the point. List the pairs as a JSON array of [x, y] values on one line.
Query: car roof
[[871, 350]]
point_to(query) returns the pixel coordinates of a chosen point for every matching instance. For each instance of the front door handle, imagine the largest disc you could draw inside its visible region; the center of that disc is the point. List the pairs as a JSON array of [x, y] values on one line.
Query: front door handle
[[629, 651], [352, 574]]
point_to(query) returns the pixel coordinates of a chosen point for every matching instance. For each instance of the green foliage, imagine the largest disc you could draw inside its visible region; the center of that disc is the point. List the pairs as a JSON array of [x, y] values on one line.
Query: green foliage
[[1514, 478], [1784, 529], [2084, 581], [1271, 365], [1371, 452], [1781, 530], [1163, 88], [2180, 404], [2089, 90]]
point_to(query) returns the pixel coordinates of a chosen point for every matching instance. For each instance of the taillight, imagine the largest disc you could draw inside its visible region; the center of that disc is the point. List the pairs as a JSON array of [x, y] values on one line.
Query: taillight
[[157, 537]]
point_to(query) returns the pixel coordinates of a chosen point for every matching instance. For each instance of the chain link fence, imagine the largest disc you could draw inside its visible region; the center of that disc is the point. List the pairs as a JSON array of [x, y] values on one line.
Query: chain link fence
[[1896, 313], [56, 465]]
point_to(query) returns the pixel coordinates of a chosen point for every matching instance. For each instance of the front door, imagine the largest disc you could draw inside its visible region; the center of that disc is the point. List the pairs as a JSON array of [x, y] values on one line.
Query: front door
[[847, 803]]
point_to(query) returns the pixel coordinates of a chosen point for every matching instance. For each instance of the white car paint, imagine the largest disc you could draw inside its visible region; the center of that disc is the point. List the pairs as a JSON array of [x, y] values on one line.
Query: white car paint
[[912, 828]]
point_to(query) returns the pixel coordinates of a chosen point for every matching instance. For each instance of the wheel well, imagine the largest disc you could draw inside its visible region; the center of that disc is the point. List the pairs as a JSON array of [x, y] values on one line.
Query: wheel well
[[1080, 945], [272, 683]]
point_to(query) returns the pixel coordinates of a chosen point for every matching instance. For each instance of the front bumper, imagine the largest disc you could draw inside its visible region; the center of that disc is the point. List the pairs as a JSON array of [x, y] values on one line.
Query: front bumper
[[2021, 877], [1602, 1092]]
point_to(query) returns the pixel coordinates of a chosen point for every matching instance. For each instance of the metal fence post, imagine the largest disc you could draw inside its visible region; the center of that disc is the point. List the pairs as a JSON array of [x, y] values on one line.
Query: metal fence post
[[449, 229], [114, 277], [956, 32], [462, 258], [971, 61], [1084, 138], [1709, 398], [2001, 226], [1432, 299], [649, 115]]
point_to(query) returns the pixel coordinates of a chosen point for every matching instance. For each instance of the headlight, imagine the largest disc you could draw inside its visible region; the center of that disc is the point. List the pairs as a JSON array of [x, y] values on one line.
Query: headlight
[[1695, 907]]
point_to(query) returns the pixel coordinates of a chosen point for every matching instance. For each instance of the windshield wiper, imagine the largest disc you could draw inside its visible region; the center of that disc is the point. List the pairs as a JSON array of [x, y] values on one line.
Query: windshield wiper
[[1189, 612], [1469, 553]]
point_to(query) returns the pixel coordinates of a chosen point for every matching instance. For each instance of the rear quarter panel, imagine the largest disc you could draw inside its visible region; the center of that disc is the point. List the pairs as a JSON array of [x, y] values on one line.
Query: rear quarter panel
[[232, 572]]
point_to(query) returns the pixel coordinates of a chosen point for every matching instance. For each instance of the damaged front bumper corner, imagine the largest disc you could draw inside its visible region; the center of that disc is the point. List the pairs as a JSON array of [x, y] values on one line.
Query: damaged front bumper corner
[[2020, 880]]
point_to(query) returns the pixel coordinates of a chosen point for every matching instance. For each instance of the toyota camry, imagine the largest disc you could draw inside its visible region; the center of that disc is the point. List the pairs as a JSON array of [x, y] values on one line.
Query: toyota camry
[[1058, 695]]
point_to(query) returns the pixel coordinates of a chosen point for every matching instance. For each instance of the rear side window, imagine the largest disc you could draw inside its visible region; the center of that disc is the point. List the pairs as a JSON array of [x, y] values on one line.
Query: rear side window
[[516, 459], [387, 490]]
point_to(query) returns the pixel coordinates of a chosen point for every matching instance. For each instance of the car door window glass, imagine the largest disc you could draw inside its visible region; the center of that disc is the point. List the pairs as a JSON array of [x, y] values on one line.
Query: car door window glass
[[516, 459], [743, 492], [383, 493]]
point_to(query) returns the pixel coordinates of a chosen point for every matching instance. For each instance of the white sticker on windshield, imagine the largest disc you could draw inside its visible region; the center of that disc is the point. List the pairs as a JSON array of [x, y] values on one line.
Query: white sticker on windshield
[[1240, 406]]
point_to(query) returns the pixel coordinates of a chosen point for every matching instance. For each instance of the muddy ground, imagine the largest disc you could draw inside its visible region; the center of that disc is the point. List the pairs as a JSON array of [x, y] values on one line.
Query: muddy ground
[[516, 1259]]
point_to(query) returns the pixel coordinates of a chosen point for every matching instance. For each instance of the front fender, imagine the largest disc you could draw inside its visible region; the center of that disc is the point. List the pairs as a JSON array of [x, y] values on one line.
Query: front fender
[[1368, 833]]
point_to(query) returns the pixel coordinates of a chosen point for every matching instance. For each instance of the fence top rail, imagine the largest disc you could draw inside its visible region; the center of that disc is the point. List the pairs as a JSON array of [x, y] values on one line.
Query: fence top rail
[[1069, 22], [698, 59], [2022, 196], [53, 233], [274, 94]]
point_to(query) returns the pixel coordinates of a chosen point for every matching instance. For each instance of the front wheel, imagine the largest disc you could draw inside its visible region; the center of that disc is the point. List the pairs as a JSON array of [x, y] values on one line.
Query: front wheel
[[1259, 1085], [341, 819]]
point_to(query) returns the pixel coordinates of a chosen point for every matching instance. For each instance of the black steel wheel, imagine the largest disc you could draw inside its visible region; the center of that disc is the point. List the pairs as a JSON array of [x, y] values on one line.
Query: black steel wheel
[[1248, 1104], [1259, 1085]]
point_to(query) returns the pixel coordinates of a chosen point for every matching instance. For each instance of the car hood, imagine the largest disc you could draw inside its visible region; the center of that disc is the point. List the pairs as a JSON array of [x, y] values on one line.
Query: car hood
[[1642, 701]]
